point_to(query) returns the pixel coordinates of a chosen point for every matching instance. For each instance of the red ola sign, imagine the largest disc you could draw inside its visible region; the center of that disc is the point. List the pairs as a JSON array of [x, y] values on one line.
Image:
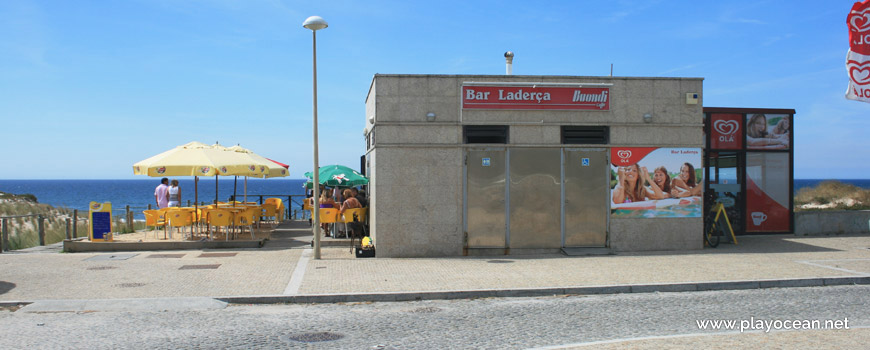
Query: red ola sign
[[725, 131], [535, 97]]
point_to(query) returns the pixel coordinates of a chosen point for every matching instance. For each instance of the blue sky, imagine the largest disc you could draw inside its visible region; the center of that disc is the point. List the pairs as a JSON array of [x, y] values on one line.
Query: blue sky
[[90, 87]]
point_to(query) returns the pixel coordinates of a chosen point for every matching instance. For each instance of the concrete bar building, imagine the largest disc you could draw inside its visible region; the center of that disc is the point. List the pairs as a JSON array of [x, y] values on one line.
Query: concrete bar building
[[510, 164]]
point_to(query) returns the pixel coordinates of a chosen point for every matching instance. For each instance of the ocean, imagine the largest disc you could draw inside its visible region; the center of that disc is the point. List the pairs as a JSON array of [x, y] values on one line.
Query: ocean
[[139, 193]]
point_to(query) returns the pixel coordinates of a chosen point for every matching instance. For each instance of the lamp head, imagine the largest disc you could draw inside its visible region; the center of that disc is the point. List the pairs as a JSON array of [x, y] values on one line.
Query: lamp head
[[315, 23]]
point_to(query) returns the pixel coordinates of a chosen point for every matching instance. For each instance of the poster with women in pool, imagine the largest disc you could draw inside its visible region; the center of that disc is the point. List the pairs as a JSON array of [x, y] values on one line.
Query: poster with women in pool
[[650, 182]]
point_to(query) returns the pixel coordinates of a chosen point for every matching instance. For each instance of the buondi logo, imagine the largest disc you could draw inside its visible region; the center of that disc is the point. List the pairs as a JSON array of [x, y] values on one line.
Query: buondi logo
[[224, 169], [624, 155], [161, 170], [252, 168], [726, 129], [204, 170]]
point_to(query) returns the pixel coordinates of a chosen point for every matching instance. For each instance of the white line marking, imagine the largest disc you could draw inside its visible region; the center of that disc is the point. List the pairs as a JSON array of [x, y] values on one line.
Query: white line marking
[[298, 274], [833, 268], [674, 336]]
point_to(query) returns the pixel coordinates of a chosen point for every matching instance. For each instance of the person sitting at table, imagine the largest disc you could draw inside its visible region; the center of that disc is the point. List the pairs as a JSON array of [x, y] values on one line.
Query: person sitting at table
[[360, 197], [326, 202], [350, 202]]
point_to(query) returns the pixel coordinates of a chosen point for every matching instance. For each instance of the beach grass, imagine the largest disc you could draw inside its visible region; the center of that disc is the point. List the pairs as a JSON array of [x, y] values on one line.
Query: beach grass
[[832, 195], [23, 228]]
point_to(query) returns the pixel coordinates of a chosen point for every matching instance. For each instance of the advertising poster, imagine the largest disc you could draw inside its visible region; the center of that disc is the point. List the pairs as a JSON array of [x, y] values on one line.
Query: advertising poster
[[767, 131], [767, 196], [649, 182]]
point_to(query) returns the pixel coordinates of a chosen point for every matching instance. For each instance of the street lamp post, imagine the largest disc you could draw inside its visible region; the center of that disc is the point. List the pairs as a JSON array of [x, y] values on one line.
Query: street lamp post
[[315, 23]]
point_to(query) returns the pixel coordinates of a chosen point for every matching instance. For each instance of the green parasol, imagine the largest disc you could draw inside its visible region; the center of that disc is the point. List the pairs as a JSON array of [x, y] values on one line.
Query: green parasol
[[338, 176]]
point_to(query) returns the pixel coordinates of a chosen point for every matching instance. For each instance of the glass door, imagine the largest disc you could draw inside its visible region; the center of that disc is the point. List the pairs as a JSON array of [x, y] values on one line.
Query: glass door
[[724, 185]]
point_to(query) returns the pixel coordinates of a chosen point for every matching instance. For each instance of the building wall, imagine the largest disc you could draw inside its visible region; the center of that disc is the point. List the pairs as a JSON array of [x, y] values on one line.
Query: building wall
[[417, 164]]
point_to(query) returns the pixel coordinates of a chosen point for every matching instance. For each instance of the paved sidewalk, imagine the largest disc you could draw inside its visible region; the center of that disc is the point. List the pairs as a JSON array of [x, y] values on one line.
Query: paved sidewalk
[[283, 271]]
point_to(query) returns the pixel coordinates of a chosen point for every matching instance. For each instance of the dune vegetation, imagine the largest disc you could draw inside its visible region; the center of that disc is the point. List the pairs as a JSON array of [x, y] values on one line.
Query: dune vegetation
[[832, 195], [22, 213]]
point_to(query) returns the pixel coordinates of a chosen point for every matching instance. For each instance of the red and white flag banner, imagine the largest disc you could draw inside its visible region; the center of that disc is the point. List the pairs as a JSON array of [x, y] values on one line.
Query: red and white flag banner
[[858, 58]]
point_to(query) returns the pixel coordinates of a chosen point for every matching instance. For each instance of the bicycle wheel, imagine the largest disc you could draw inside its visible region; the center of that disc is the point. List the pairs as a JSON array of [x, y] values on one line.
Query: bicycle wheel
[[711, 237]]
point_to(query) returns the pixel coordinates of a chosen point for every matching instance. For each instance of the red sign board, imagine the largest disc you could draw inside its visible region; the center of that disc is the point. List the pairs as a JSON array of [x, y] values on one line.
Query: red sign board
[[535, 97], [625, 156], [725, 131]]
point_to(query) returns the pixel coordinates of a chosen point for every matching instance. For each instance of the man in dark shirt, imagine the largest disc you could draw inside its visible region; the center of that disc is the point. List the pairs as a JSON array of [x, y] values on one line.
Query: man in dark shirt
[[360, 197]]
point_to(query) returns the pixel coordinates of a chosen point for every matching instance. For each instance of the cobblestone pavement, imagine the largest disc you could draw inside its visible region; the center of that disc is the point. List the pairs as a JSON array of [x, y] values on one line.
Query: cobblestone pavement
[[644, 321], [285, 267]]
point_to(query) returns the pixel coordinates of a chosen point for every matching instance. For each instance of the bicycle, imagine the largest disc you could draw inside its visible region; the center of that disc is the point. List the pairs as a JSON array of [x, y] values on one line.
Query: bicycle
[[713, 231]]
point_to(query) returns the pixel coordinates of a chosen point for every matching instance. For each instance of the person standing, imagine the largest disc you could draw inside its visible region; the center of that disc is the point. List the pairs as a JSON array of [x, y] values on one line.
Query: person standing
[[161, 194], [174, 194]]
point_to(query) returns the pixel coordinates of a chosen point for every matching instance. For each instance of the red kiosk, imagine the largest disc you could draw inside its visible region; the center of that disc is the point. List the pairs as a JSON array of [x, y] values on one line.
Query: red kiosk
[[749, 162]]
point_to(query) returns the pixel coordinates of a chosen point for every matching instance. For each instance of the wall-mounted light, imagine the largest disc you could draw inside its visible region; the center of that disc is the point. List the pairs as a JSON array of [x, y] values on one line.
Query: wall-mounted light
[[430, 117], [371, 119], [647, 118]]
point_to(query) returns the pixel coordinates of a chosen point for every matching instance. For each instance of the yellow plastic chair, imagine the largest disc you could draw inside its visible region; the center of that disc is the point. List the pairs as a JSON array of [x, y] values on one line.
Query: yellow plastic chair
[[306, 206], [350, 216], [155, 219], [329, 216], [270, 212], [179, 219], [279, 208], [245, 218], [220, 218]]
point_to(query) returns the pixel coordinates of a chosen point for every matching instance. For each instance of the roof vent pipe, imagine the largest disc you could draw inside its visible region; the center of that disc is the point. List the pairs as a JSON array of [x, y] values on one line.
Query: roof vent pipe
[[509, 62]]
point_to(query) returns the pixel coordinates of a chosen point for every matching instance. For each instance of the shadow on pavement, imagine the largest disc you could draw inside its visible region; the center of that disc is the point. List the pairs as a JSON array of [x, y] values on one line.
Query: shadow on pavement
[[5, 287]]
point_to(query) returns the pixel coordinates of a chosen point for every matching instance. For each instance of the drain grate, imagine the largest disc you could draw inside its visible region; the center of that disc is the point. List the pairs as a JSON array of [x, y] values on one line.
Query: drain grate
[[426, 310], [129, 285], [101, 268], [499, 261], [166, 256], [315, 337], [111, 257], [200, 267], [216, 255]]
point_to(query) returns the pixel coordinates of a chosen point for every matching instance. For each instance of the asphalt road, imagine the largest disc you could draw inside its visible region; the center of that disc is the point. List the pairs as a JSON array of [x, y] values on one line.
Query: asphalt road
[[644, 321]]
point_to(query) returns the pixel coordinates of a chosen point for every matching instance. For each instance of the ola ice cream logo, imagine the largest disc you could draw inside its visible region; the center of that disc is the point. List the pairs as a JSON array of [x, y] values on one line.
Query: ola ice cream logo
[[860, 72], [262, 168], [161, 170], [224, 169], [204, 170], [859, 30], [252, 168], [623, 155], [726, 129]]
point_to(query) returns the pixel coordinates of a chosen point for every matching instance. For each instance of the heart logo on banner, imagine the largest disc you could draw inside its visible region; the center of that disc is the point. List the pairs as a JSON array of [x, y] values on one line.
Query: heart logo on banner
[[624, 154], [725, 127], [860, 21], [859, 72]]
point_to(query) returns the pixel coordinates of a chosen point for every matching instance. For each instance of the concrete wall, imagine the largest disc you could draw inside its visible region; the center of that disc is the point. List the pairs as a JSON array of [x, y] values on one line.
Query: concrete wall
[[417, 164], [418, 200], [819, 223], [631, 235]]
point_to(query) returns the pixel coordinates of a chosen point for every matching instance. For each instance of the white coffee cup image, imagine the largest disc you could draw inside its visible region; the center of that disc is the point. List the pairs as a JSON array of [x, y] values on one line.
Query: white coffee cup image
[[758, 217]]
